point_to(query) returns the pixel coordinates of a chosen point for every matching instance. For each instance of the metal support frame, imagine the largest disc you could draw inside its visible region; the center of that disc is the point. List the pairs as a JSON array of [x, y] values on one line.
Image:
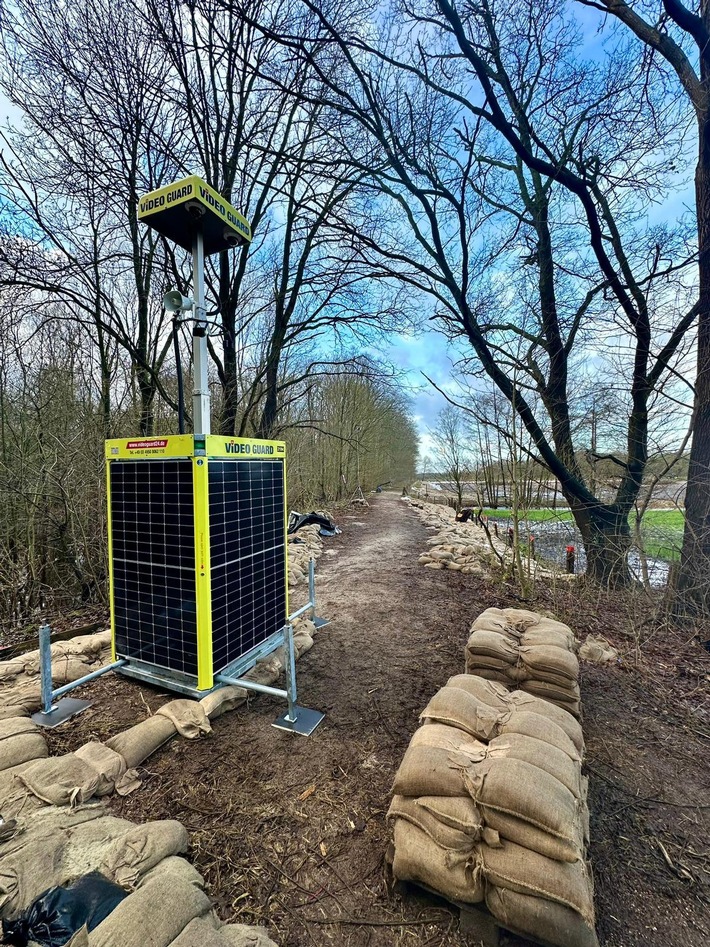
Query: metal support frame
[[201, 389], [51, 714], [297, 719]]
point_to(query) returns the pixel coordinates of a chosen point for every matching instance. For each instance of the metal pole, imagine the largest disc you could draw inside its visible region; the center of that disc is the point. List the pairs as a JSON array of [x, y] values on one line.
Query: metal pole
[[291, 717], [312, 586], [201, 391], [45, 668]]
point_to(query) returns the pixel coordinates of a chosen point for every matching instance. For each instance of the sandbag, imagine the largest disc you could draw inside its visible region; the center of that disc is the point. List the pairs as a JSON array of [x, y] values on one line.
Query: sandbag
[[526, 792], [429, 814], [440, 736], [140, 849], [524, 701], [176, 867], [61, 911], [488, 692], [541, 919], [457, 708], [556, 664], [20, 741], [138, 742], [109, 765], [62, 780], [188, 717], [550, 758], [57, 845], [417, 859], [223, 700], [152, 916], [529, 836], [429, 771], [484, 643], [540, 727], [518, 869]]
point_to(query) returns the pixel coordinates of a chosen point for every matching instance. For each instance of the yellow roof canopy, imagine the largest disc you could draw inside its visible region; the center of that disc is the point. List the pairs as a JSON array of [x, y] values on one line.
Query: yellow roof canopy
[[190, 206]]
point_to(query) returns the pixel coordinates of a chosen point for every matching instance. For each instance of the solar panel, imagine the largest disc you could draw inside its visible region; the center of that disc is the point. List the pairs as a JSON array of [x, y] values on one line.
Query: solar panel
[[169, 609], [153, 533], [247, 555]]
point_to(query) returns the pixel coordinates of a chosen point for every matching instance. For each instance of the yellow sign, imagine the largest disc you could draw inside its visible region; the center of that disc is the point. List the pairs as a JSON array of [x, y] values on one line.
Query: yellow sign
[[183, 445], [186, 207]]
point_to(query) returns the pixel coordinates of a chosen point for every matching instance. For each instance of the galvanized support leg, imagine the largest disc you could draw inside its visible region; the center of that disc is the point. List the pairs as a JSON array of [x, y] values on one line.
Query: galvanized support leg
[[290, 674], [296, 719], [312, 587], [45, 667], [318, 622]]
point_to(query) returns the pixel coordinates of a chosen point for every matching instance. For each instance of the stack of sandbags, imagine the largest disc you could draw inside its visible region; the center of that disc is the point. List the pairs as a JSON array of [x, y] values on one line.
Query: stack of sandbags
[[490, 805], [527, 651], [20, 676], [304, 545]]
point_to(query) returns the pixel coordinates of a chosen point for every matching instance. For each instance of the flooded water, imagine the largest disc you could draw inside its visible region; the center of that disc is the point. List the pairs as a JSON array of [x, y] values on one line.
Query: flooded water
[[553, 536]]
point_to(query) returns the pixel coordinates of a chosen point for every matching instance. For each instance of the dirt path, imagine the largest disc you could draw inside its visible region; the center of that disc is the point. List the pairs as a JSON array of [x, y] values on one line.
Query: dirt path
[[290, 832]]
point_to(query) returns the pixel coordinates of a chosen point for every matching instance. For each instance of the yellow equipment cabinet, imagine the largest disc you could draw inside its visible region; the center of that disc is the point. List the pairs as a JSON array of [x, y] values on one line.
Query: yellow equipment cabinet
[[197, 555]]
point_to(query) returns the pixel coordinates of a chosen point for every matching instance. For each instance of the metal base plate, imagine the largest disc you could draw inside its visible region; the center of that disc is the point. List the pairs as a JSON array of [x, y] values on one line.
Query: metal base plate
[[305, 723], [320, 622], [64, 709]]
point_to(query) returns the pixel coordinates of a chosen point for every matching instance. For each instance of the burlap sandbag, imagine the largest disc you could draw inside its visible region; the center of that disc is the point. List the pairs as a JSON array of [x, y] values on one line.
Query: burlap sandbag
[[176, 867], [567, 700], [549, 634], [138, 742], [554, 761], [539, 727], [554, 664], [55, 846], [61, 780], [526, 872], [140, 849], [513, 829], [488, 692], [223, 700], [524, 701], [448, 738], [108, 764], [188, 716], [540, 919], [429, 771], [428, 818], [12, 710], [489, 644], [526, 792], [458, 708], [20, 741], [416, 858], [506, 621], [210, 932], [152, 916]]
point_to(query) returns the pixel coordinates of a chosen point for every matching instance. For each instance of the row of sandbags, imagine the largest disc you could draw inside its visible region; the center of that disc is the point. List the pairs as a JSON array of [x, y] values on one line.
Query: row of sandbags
[[527, 651], [54, 831], [304, 545], [459, 547], [20, 677], [490, 806]]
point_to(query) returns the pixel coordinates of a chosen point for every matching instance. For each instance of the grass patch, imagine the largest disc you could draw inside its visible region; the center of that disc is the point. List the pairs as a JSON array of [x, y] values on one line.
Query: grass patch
[[532, 516]]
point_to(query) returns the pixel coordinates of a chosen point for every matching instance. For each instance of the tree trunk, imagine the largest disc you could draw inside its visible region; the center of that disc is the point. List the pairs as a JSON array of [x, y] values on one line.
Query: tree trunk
[[693, 587], [607, 537]]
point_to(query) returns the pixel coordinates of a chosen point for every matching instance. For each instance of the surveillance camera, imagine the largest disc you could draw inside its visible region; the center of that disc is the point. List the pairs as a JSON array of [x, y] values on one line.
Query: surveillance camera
[[174, 301], [231, 238], [195, 209]]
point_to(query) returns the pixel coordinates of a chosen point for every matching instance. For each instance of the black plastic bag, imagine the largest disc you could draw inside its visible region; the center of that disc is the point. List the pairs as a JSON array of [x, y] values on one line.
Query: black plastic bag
[[60, 912]]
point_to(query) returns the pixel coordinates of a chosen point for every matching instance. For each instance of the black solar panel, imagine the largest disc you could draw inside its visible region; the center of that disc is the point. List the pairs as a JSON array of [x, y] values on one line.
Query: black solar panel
[[247, 555], [152, 528]]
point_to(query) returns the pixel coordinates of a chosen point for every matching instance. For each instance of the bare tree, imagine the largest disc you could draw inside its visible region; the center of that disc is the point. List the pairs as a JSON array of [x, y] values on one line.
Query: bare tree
[[452, 451]]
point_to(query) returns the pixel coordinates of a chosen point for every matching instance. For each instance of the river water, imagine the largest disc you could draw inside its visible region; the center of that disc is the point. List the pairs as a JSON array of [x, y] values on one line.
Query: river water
[[553, 536]]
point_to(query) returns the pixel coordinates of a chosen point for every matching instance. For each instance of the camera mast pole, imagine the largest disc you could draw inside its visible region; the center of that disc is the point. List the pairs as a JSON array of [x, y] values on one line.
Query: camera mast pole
[[201, 389]]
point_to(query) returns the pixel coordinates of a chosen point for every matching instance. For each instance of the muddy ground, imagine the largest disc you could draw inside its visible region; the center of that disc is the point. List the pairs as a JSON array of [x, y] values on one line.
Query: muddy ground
[[290, 832]]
